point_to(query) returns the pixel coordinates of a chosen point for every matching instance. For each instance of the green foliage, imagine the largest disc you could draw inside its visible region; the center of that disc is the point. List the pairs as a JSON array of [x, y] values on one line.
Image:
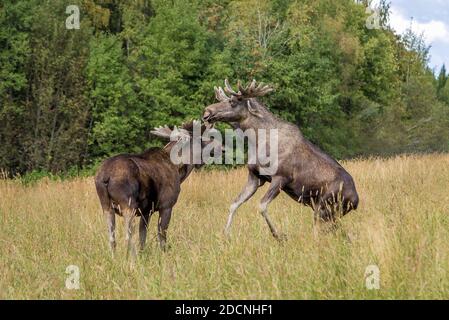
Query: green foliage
[[70, 98], [444, 94], [171, 61], [30, 178], [442, 77], [15, 28], [117, 115]]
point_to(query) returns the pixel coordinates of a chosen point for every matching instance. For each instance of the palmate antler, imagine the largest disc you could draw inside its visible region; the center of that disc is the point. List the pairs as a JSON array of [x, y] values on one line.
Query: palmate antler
[[175, 134], [220, 95], [252, 90]]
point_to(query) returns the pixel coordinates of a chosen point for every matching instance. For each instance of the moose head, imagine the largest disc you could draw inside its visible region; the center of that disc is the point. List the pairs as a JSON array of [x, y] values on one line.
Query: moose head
[[191, 143], [239, 105]]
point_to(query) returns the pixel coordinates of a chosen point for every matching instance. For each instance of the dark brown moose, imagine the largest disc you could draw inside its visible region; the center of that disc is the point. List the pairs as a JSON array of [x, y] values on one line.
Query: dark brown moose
[[304, 172], [133, 185]]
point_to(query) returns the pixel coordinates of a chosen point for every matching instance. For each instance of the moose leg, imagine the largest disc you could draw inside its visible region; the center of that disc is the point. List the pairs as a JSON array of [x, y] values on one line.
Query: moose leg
[[109, 215], [319, 214], [247, 192], [273, 192], [164, 220], [143, 227], [108, 212], [325, 216], [129, 215]]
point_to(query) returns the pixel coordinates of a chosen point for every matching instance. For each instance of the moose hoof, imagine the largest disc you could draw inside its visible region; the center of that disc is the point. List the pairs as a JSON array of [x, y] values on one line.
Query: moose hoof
[[227, 234], [165, 247], [281, 237]]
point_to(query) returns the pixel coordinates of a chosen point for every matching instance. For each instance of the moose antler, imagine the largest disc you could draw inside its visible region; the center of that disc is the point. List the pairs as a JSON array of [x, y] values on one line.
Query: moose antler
[[252, 90], [167, 133], [220, 95], [229, 89], [162, 131]]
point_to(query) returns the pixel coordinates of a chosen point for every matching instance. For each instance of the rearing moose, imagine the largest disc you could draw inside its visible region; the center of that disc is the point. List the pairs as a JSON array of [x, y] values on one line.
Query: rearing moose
[[304, 172]]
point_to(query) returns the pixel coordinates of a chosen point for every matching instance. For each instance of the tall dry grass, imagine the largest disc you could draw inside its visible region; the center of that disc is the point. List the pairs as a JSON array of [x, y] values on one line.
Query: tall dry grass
[[402, 226]]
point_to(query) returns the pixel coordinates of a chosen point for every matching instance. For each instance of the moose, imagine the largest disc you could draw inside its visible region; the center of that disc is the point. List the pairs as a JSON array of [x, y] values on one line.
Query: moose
[[133, 185], [304, 172]]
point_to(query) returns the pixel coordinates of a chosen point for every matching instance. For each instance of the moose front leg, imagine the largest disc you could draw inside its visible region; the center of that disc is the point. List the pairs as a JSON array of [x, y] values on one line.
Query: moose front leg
[[164, 220], [248, 191], [273, 192]]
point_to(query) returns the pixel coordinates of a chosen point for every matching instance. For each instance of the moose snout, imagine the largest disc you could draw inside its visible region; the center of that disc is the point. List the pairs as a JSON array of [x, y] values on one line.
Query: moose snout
[[207, 114]]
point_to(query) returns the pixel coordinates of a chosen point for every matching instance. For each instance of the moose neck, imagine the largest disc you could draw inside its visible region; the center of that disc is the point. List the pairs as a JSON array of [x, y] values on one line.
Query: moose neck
[[263, 120], [184, 170]]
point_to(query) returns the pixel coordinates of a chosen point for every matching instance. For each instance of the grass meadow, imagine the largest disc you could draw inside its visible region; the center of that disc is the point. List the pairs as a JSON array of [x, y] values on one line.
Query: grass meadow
[[401, 226]]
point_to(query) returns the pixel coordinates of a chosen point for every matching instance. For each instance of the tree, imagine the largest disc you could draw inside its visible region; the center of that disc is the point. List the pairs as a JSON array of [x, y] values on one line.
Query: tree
[[170, 62], [15, 25], [442, 79], [444, 94], [117, 116]]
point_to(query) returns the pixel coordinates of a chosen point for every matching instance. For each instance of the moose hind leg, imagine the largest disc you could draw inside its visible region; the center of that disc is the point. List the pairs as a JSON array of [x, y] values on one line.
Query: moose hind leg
[[109, 215], [327, 216], [164, 220], [129, 214], [108, 212], [273, 192], [143, 227]]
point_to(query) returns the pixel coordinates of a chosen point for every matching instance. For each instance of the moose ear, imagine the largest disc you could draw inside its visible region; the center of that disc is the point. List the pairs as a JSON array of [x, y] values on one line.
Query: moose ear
[[180, 135], [253, 109], [173, 135]]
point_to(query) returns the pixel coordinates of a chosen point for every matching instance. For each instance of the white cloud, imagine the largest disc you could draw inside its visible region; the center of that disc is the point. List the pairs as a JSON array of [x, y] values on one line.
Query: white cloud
[[433, 30]]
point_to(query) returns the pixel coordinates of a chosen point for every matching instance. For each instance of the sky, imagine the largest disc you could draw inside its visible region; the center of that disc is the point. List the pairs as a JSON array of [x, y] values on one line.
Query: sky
[[430, 17]]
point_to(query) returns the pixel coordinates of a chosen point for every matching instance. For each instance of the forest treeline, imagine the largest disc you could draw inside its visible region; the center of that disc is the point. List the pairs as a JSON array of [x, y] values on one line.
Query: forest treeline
[[70, 98]]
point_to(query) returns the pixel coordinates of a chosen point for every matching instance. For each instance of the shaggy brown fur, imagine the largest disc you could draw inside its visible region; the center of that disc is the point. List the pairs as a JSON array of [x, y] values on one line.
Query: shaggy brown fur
[[132, 185]]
